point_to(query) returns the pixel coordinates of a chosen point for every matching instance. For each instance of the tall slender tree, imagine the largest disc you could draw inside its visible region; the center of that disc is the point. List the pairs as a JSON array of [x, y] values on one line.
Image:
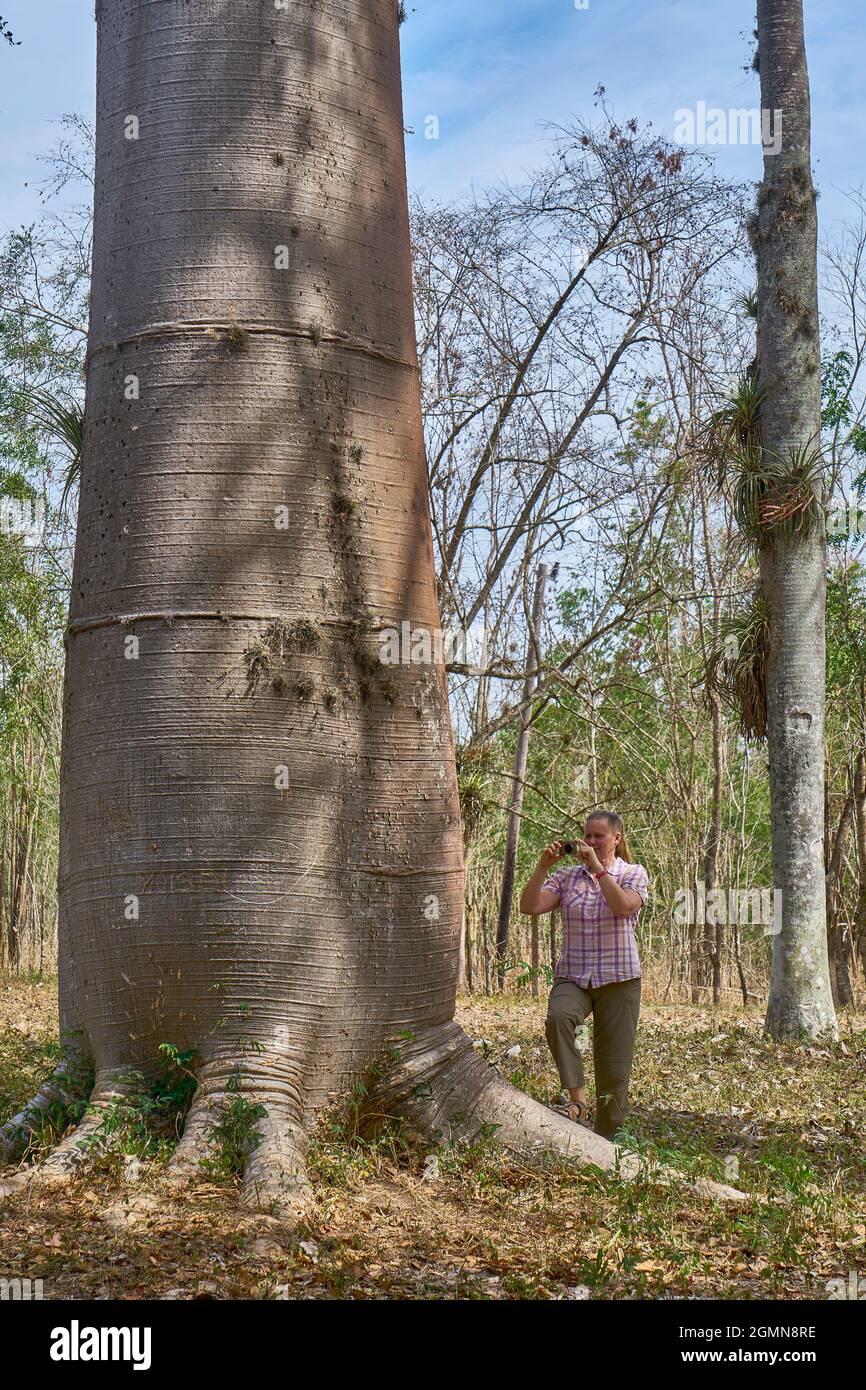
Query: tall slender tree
[[790, 520], [260, 844], [521, 754]]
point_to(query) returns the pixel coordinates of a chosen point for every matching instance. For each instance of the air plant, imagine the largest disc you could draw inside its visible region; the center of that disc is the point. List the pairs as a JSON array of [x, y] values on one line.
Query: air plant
[[733, 427], [769, 490], [737, 668], [777, 492], [472, 789]]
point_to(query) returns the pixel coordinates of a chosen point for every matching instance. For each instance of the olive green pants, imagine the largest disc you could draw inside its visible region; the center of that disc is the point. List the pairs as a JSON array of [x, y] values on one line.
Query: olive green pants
[[615, 1009]]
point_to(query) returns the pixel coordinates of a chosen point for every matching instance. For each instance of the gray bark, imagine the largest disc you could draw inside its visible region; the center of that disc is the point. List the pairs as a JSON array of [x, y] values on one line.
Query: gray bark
[[300, 932], [793, 570]]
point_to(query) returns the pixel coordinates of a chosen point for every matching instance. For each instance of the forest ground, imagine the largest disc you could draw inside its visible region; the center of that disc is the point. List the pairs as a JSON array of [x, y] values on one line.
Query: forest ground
[[389, 1222]]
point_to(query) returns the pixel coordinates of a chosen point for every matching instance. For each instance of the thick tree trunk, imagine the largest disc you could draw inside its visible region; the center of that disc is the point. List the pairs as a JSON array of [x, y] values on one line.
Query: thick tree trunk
[[792, 567], [261, 853]]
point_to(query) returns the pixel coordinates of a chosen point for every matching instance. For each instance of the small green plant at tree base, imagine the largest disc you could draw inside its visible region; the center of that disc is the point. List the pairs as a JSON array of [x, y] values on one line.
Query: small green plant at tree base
[[234, 1134], [144, 1119], [22, 1069], [175, 1087]]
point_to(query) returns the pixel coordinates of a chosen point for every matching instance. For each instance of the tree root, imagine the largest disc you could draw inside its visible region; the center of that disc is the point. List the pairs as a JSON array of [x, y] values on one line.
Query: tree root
[[446, 1092], [68, 1084], [88, 1137], [251, 1114], [256, 1107], [251, 1108]]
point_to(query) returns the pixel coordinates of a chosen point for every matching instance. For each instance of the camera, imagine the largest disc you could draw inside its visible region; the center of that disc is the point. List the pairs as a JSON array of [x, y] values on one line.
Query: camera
[[568, 847]]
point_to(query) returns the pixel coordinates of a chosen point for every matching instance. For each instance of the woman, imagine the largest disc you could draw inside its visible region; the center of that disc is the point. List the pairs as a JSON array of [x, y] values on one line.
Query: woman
[[598, 971]]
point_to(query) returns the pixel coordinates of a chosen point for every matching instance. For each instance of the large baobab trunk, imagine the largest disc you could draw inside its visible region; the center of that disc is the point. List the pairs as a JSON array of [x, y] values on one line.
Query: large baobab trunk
[[261, 850], [792, 559]]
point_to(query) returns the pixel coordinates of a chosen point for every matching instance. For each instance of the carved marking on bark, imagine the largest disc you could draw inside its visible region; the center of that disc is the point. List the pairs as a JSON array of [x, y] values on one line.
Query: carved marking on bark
[[800, 719], [216, 615], [314, 335]]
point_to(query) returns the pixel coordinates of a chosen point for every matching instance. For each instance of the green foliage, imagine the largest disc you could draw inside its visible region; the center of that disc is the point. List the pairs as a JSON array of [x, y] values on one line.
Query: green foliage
[[473, 786], [777, 492], [732, 427], [523, 973], [24, 1065], [146, 1119], [836, 404], [234, 1133], [846, 638]]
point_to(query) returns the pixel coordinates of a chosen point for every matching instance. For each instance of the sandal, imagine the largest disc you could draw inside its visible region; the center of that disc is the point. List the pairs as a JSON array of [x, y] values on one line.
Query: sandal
[[579, 1111], [576, 1110]]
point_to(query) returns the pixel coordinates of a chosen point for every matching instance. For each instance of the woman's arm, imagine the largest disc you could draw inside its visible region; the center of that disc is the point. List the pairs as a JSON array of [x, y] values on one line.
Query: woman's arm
[[623, 901], [534, 900]]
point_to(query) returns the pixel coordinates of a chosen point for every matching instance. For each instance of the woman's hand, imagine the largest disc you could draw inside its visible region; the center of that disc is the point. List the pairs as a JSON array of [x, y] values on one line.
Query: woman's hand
[[551, 854], [589, 857], [535, 899]]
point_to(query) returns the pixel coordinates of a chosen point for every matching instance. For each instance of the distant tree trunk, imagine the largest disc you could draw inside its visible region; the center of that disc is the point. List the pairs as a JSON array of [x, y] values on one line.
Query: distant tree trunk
[[695, 962], [468, 913], [534, 957], [714, 940], [521, 753], [792, 563], [860, 841], [839, 977], [485, 944]]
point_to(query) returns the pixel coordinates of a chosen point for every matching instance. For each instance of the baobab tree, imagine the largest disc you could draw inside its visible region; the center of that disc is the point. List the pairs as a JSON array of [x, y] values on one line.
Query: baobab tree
[[261, 856], [786, 467]]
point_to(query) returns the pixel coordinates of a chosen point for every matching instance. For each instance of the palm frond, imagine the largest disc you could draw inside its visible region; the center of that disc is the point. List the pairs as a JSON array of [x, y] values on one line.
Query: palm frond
[[63, 420]]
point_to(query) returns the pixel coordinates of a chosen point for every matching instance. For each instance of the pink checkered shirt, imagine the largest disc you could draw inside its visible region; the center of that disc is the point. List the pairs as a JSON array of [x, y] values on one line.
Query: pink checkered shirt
[[597, 946]]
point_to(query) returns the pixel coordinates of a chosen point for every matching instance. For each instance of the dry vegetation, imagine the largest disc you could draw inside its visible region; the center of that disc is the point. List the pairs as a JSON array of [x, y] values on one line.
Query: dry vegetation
[[392, 1222]]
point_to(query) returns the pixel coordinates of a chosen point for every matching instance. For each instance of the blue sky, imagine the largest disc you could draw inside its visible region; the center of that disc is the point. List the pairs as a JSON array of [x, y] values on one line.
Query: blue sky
[[493, 71]]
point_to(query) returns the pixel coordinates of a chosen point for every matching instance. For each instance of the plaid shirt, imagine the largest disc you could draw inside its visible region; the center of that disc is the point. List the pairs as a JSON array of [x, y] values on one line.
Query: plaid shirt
[[597, 946]]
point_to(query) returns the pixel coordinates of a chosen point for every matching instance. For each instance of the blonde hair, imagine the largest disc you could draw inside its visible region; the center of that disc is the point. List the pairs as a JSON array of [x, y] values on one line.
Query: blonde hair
[[615, 823]]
